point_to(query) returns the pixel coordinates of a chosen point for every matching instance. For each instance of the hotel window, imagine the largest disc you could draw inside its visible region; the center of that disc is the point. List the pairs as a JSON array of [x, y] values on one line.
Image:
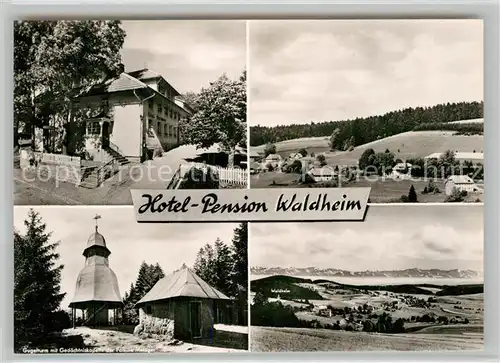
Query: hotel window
[[165, 129], [158, 108], [159, 128], [175, 132], [94, 128]]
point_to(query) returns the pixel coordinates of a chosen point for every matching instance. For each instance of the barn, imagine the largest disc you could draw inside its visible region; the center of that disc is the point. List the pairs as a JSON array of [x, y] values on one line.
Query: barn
[[182, 305]]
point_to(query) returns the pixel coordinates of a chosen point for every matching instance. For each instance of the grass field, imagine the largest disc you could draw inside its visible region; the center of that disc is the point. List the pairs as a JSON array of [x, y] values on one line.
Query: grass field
[[382, 190], [303, 340], [411, 144]]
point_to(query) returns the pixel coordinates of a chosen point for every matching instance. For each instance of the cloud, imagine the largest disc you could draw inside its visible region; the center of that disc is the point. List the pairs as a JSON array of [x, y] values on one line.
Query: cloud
[[188, 53], [302, 71], [395, 237]]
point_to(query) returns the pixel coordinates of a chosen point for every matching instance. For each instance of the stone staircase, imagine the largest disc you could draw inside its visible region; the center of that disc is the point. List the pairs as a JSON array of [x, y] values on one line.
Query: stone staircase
[[90, 174], [122, 160], [89, 178]]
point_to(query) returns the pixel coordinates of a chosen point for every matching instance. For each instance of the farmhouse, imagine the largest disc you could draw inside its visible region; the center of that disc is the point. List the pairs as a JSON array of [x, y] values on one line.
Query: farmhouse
[[322, 174], [275, 160], [97, 291], [461, 183], [323, 311], [473, 157], [402, 170], [130, 116], [184, 305]]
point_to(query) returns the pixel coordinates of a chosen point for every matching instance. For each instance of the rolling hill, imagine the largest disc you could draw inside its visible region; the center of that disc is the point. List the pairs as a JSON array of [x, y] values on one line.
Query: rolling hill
[[413, 144]]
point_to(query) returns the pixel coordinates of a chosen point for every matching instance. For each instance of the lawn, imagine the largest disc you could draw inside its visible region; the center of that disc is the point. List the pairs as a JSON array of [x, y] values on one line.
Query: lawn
[[303, 340]]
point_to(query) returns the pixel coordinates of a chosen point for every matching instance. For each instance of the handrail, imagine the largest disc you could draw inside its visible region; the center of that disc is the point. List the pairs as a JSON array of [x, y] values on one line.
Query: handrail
[[175, 178], [115, 147], [100, 173]]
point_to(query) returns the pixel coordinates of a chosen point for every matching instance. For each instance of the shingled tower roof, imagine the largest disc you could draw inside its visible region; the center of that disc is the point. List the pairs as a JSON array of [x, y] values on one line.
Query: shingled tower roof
[[96, 281]]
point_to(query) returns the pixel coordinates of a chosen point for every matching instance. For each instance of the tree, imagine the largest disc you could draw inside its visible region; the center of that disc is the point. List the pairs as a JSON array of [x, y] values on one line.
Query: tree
[[54, 58], [332, 142], [239, 276], [37, 278], [269, 149], [240, 257], [365, 158], [303, 152], [147, 277], [412, 195], [321, 159], [220, 118], [191, 98]]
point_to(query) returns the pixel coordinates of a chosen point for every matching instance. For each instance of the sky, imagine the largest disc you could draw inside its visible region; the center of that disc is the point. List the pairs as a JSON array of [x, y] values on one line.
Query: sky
[[130, 243], [187, 53], [331, 70], [391, 238]]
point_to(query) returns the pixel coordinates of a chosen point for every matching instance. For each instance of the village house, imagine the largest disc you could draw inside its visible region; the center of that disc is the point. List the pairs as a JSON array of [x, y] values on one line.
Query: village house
[[323, 310], [402, 170], [274, 160], [182, 305], [461, 183], [135, 114], [322, 174]]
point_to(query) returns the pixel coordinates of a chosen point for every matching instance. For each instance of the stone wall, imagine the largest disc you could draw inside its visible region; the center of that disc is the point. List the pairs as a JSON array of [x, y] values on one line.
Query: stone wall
[[160, 321]]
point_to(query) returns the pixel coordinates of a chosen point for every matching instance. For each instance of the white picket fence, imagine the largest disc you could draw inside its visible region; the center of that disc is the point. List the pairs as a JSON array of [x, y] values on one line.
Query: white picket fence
[[224, 175]]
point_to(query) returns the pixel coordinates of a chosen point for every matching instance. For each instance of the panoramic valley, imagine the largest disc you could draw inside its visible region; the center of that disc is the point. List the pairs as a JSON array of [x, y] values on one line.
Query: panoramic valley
[[322, 314]]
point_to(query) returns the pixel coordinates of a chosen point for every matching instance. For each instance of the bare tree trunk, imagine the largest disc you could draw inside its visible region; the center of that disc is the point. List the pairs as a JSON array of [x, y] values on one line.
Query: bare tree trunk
[[230, 158], [66, 127]]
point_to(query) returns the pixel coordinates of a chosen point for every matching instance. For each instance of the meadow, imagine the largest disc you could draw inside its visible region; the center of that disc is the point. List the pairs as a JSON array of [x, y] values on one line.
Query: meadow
[[407, 145], [264, 339]]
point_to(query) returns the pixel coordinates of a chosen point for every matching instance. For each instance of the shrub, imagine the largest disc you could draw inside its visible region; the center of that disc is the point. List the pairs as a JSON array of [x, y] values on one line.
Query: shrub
[[294, 167], [455, 196], [404, 199], [303, 152], [269, 167]]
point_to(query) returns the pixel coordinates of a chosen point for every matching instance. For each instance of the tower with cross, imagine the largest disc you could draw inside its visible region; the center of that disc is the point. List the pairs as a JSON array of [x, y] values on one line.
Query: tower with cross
[[97, 292]]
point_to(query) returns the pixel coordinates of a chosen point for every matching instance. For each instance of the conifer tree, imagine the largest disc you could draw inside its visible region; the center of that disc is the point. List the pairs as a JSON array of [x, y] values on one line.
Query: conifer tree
[[412, 195], [37, 278]]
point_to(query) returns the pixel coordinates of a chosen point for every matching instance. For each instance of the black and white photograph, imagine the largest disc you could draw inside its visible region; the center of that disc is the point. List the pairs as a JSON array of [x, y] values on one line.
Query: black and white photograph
[[409, 278], [102, 107], [395, 105], [92, 280]]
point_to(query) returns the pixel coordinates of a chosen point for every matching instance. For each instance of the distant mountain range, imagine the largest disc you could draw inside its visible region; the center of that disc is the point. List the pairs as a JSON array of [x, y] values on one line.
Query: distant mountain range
[[332, 272]]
